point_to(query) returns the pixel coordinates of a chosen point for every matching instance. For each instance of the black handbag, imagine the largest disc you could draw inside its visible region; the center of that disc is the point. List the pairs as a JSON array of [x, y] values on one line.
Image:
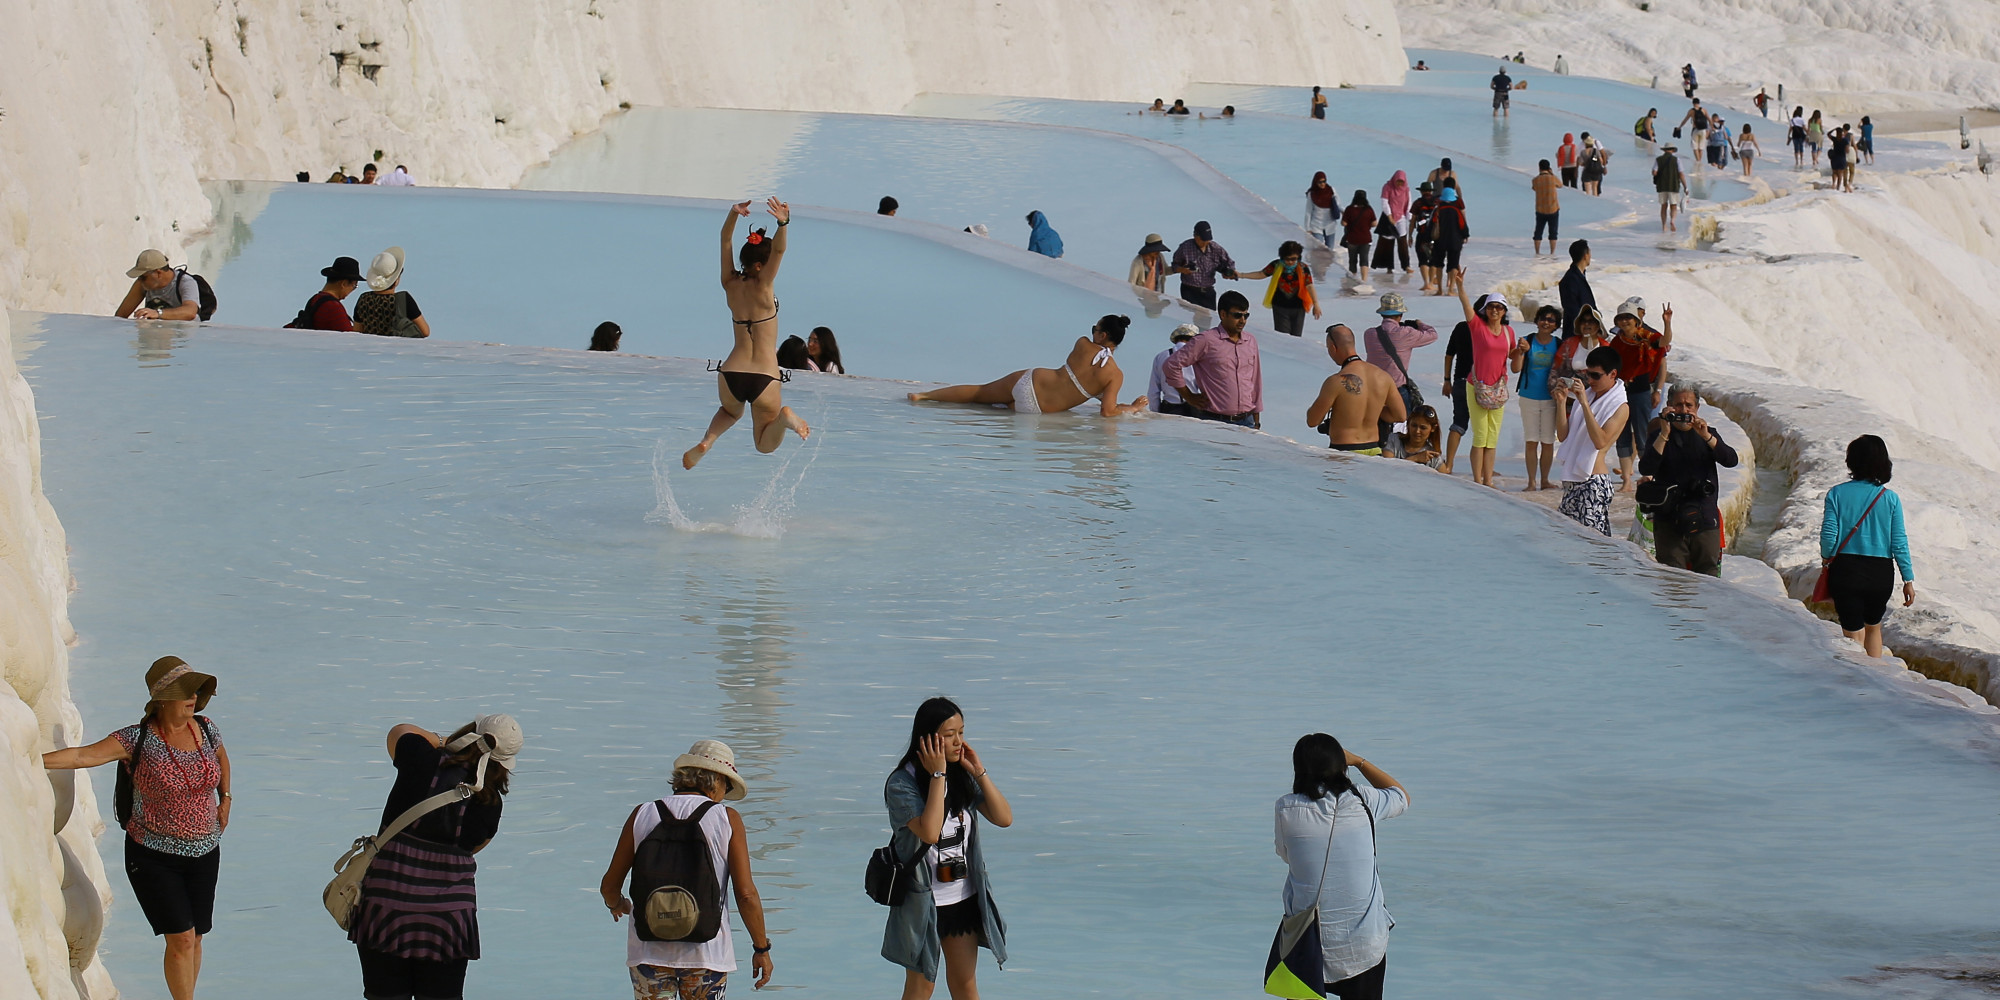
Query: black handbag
[[1413, 398], [889, 877]]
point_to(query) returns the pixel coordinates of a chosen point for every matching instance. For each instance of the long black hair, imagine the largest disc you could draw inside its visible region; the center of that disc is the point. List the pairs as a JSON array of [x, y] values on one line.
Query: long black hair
[[1319, 767], [829, 350], [959, 788]]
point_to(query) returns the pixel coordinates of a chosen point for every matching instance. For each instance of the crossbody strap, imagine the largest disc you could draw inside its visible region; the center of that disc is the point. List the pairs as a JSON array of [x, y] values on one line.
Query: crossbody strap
[[1382, 337], [457, 793], [1857, 521]]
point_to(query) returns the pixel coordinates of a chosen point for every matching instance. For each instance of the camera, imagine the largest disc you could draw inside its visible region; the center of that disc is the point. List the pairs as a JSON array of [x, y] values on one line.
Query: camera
[[1681, 419], [952, 871]]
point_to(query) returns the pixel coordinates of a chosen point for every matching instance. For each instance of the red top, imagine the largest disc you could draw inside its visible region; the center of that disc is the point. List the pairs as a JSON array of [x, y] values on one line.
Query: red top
[[1641, 360], [329, 314]]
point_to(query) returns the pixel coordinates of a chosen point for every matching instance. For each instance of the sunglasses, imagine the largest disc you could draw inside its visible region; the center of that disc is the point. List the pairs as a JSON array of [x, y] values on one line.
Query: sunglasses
[[1547, 321], [1592, 376], [1237, 314]]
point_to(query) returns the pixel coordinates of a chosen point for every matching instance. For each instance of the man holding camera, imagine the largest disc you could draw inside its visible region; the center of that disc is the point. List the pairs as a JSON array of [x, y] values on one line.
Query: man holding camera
[[1680, 460]]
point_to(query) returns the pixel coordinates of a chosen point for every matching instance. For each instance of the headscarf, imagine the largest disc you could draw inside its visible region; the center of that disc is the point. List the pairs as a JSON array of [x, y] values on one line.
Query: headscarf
[[1321, 192], [1042, 239], [1396, 195]]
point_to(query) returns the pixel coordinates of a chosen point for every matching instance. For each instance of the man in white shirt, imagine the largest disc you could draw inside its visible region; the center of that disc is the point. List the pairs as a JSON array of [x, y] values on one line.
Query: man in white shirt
[[398, 177], [1167, 399], [159, 291]]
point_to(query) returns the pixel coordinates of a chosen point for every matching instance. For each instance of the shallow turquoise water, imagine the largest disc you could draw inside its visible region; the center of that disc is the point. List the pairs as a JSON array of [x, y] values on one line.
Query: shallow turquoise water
[[1624, 778]]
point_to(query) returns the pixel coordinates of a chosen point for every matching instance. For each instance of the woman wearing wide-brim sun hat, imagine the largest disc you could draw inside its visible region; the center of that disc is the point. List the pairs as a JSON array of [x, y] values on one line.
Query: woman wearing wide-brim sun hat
[[669, 952], [175, 811], [417, 923], [385, 310]]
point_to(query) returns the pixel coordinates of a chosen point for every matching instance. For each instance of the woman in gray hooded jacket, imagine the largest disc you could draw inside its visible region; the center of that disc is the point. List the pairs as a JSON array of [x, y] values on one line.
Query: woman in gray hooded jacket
[[936, 797]]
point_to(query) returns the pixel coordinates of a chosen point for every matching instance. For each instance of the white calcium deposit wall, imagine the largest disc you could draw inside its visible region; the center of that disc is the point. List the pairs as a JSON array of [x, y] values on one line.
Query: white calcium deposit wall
[[1935, 53], [52, 884], [117, 109]]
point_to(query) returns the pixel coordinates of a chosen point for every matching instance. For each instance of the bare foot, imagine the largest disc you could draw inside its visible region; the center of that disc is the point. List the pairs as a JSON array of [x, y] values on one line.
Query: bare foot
[[1530, 488], [693, 455], [797, 425], [1445, 468], [918, 397]]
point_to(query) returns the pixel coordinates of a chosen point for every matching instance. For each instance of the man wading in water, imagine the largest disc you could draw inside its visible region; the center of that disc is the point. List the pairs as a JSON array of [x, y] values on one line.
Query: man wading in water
[[750, 373], [1357, 401]]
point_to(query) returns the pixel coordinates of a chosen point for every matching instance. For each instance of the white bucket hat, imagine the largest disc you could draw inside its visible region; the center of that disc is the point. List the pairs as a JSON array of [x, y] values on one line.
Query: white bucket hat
[[503, 738], [386, 269], [715, 755]]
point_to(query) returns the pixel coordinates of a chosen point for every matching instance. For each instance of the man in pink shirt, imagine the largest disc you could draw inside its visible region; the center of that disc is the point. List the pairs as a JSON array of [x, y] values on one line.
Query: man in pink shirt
[[1226, 366]]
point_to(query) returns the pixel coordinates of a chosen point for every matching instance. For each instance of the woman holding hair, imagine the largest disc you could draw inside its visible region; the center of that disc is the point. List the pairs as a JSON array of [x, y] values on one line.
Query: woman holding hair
[[179, 809], [1322, 210], [417, 925], [936, 797], [1862, 545], [693, 970], [823, 351], [749, 376], [1494, 346], [1325, 832], [1089, 373]]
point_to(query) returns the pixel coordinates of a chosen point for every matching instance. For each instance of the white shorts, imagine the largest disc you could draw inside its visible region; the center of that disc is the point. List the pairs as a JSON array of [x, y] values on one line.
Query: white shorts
[[1538, 420], [1670, 198]]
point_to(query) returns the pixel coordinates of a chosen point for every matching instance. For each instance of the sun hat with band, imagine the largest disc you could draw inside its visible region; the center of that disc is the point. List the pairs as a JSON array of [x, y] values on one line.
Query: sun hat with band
[[386, 269], [715, 755], [500, 737], [1154, 244], [171, 679]]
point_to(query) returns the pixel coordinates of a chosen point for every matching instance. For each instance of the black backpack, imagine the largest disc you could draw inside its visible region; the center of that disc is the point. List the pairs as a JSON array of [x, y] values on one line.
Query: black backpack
[[121, 791], [675, 894], [1700, 120], [304, 320], [206, 308]]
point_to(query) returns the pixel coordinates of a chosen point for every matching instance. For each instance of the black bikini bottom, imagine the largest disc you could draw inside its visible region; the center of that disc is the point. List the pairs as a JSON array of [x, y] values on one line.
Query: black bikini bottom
[[746, 386]]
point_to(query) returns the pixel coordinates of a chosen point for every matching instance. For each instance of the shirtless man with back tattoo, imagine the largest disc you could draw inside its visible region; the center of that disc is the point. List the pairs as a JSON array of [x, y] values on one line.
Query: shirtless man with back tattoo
[[1355, 401]]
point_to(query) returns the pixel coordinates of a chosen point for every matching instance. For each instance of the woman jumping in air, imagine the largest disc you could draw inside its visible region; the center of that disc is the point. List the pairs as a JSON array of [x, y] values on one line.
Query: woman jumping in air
[[1089, 373], [749, 375]]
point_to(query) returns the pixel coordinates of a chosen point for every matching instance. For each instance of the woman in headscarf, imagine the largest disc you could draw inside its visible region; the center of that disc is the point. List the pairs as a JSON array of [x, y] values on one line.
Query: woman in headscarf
[[1041, 238], [1357, 223], [1322, 211], [1396, 203]]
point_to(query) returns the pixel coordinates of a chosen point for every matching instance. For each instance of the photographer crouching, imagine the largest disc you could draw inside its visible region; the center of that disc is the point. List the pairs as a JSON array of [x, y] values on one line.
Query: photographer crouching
[[1680, 459]]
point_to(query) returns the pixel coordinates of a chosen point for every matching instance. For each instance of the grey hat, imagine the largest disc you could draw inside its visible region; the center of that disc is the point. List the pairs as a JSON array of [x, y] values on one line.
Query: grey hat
[[149, 261]]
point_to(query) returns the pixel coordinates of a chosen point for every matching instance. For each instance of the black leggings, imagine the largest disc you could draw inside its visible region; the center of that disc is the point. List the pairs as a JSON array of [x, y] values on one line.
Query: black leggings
[[392, 977], [1860, 588], [1361, 986]]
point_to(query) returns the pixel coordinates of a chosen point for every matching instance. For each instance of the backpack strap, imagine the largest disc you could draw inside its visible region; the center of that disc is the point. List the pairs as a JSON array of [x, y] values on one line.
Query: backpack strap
[[1382, 337], [693, 817]]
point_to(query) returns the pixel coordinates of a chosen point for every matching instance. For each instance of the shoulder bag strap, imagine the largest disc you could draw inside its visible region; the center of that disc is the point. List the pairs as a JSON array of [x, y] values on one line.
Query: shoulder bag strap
[[458, 793], [1857, 521], [1325, 861], [1382, 337]]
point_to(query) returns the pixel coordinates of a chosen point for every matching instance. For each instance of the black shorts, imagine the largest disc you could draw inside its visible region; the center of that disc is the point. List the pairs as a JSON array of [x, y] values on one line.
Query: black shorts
[[962, 918], [1289, 319], [1445, 255], [1569, 176], [1548, 220], [176, 893], [1860, 588], [392, 977]]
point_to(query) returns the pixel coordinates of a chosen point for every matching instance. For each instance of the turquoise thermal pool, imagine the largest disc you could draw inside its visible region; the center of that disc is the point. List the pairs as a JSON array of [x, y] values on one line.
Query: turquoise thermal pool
[[1621, 774]]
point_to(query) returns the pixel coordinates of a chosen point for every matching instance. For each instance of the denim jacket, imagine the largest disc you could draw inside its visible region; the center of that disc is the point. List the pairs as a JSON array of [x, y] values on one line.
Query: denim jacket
[[911, 938]]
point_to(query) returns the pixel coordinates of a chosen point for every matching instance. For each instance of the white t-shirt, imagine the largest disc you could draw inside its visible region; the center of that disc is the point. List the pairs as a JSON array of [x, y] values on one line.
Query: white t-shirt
[[176, 292], [1353, 920], [954, 840], [717, 954]]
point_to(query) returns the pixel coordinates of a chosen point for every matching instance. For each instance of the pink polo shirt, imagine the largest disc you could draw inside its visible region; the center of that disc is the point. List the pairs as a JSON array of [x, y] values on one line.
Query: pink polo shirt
[[1228, 371]]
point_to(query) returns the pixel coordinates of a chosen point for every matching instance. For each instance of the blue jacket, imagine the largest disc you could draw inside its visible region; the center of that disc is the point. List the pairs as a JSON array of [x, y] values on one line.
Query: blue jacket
[[1042, 239], [1881, 535]]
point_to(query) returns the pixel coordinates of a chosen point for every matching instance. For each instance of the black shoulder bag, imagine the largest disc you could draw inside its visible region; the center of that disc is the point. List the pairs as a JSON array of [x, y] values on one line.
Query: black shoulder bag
[[889, 877], [1413, 397]]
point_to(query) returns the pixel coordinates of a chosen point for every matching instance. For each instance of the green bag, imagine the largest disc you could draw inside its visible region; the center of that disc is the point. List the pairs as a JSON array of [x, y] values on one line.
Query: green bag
[[1296, 968]]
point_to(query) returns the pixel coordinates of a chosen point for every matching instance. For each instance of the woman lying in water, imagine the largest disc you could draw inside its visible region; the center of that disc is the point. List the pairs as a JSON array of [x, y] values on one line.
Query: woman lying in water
[[750, 374], [1088, 374]]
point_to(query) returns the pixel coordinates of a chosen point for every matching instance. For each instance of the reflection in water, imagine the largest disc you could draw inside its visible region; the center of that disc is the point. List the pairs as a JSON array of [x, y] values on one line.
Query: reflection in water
[[1087, 449], [753, 625], [156, 342], [1503, 140]]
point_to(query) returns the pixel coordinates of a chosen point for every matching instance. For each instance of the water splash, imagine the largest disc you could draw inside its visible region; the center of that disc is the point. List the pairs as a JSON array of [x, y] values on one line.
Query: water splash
[[764, 516]]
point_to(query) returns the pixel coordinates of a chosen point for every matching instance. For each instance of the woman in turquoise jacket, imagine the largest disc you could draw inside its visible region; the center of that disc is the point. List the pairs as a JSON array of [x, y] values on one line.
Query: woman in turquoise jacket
[[937, 796], [1868, 516]]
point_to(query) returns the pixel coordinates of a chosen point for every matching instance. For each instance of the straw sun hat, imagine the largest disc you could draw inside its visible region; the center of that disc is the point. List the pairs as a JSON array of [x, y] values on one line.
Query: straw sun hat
[[715, 755], [171, 679]]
